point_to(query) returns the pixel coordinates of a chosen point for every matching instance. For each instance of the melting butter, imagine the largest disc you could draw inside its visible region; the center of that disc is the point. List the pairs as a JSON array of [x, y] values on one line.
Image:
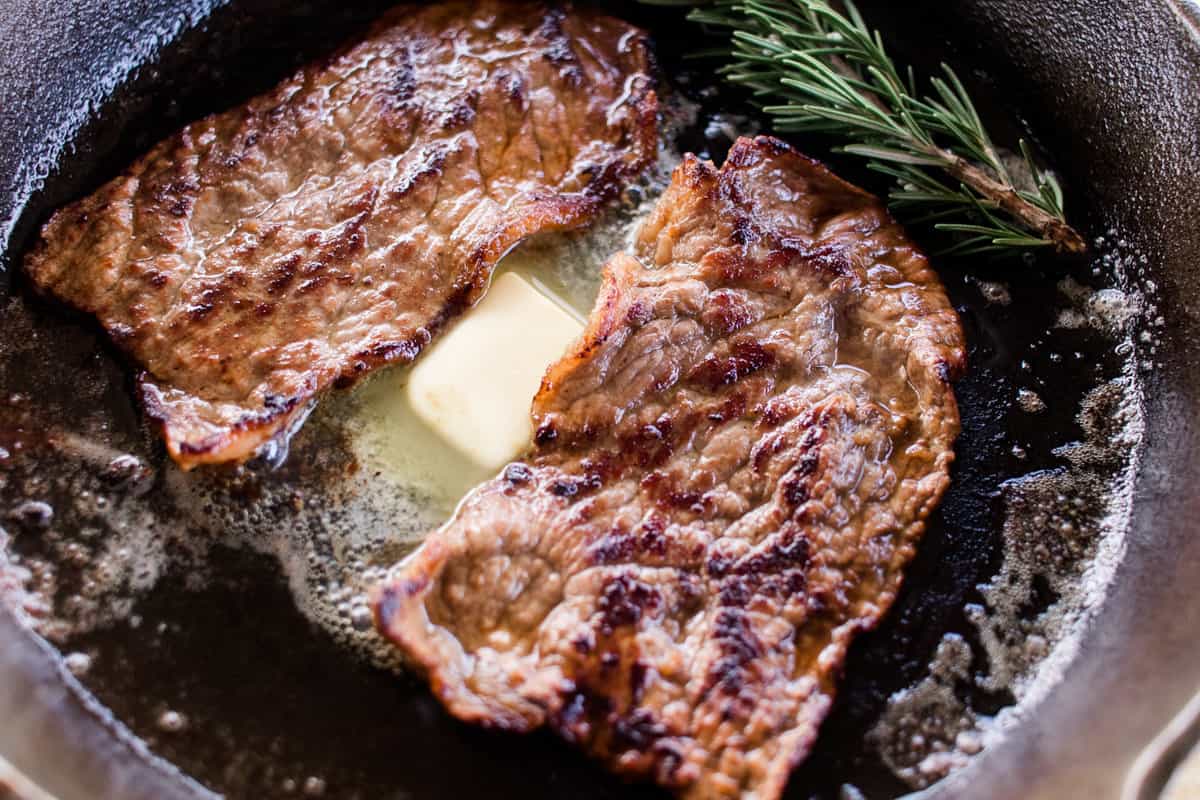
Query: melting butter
[[463, 411], [474, 386]]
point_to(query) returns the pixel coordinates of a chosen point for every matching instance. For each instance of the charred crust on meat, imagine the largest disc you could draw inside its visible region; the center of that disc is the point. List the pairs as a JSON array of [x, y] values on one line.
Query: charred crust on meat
[[384, 352], [616, 547], [198, 311], [650, 445], [599, 468], [518, 474], [564, 488], [698, 175], [546, 434], [620, 546], [639, 676], [726, 311], [743, 232], [283, 273], [557, 48], [623, 601], [788, 550], [667, 494], [797, 484], [637, 731], [744, 358], [668, 769], [719, 539], [942, 369], [949, 371], [743, 154], [203, 446], [461, 113], [426, 168], [731, 408], [278, 404], [738, 645], [750, 153], [461, 297], [797, 488], [830, 259], [122, 334], [725, 551], [584, 711], [176, 196], [235, 278], [514, 88], [639, 314], [736, 266], [718, 563], [559, 212], [777, 411], [403, 77], [572, 717], [652, 539]]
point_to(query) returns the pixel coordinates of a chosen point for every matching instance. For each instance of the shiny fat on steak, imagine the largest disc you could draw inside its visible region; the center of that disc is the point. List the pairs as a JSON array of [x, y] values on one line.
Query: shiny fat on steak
[[337, 223], [729, 474]]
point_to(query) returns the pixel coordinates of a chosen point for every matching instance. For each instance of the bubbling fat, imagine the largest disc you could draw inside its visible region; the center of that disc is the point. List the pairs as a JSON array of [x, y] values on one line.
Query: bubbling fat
[[1063, 537]]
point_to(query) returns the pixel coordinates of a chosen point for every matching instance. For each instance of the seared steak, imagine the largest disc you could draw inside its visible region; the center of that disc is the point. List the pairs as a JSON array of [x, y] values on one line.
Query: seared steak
[[730, 472], [335, 224]]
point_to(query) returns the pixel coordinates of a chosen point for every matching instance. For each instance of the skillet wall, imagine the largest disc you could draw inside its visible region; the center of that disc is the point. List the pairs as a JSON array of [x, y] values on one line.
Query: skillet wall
[[1115, 89]]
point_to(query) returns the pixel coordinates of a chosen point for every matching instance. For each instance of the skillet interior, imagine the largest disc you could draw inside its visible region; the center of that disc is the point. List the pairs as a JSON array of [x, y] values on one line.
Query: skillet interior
[[243, 660]]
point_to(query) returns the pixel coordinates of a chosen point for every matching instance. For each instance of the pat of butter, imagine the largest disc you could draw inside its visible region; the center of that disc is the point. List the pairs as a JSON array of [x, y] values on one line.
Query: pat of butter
[[475, 386]]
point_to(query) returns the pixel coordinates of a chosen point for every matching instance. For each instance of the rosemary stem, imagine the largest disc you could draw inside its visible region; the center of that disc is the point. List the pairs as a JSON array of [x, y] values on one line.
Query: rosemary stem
[[1066, 239]]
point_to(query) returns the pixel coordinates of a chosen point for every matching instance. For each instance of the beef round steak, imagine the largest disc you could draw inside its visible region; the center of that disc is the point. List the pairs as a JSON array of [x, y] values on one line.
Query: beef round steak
[[730, 471], [335, 224]]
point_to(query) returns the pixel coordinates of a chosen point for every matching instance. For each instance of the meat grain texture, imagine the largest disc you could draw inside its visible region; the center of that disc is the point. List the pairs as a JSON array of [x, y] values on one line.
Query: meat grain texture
[[730, 472], [337, 223]]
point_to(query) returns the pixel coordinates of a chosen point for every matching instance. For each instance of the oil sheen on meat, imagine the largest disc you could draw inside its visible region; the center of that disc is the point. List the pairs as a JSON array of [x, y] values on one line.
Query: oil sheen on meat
[[730, 471], [335, 224]]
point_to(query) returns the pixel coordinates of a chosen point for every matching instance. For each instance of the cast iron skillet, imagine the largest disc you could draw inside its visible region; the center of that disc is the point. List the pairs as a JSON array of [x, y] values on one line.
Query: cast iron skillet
[[1113, 90]]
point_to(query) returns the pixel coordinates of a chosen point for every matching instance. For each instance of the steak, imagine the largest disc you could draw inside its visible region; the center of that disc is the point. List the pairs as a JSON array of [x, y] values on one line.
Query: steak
[[730, 471], [337, 223]]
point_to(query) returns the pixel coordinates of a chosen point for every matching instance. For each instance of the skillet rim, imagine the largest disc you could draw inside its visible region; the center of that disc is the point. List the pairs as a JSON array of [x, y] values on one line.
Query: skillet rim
[[48, 677]]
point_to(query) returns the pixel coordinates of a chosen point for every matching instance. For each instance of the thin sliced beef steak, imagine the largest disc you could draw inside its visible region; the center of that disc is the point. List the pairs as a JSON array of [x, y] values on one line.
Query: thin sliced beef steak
[[264, 254], [730, 471]]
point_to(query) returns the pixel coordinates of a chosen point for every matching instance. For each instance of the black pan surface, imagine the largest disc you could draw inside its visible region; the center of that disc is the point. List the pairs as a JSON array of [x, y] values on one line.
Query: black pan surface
[[274, 707]]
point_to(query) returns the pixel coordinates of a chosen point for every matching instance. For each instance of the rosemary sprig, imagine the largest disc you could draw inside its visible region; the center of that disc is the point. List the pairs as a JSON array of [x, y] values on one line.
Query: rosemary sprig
[[815, 68]]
